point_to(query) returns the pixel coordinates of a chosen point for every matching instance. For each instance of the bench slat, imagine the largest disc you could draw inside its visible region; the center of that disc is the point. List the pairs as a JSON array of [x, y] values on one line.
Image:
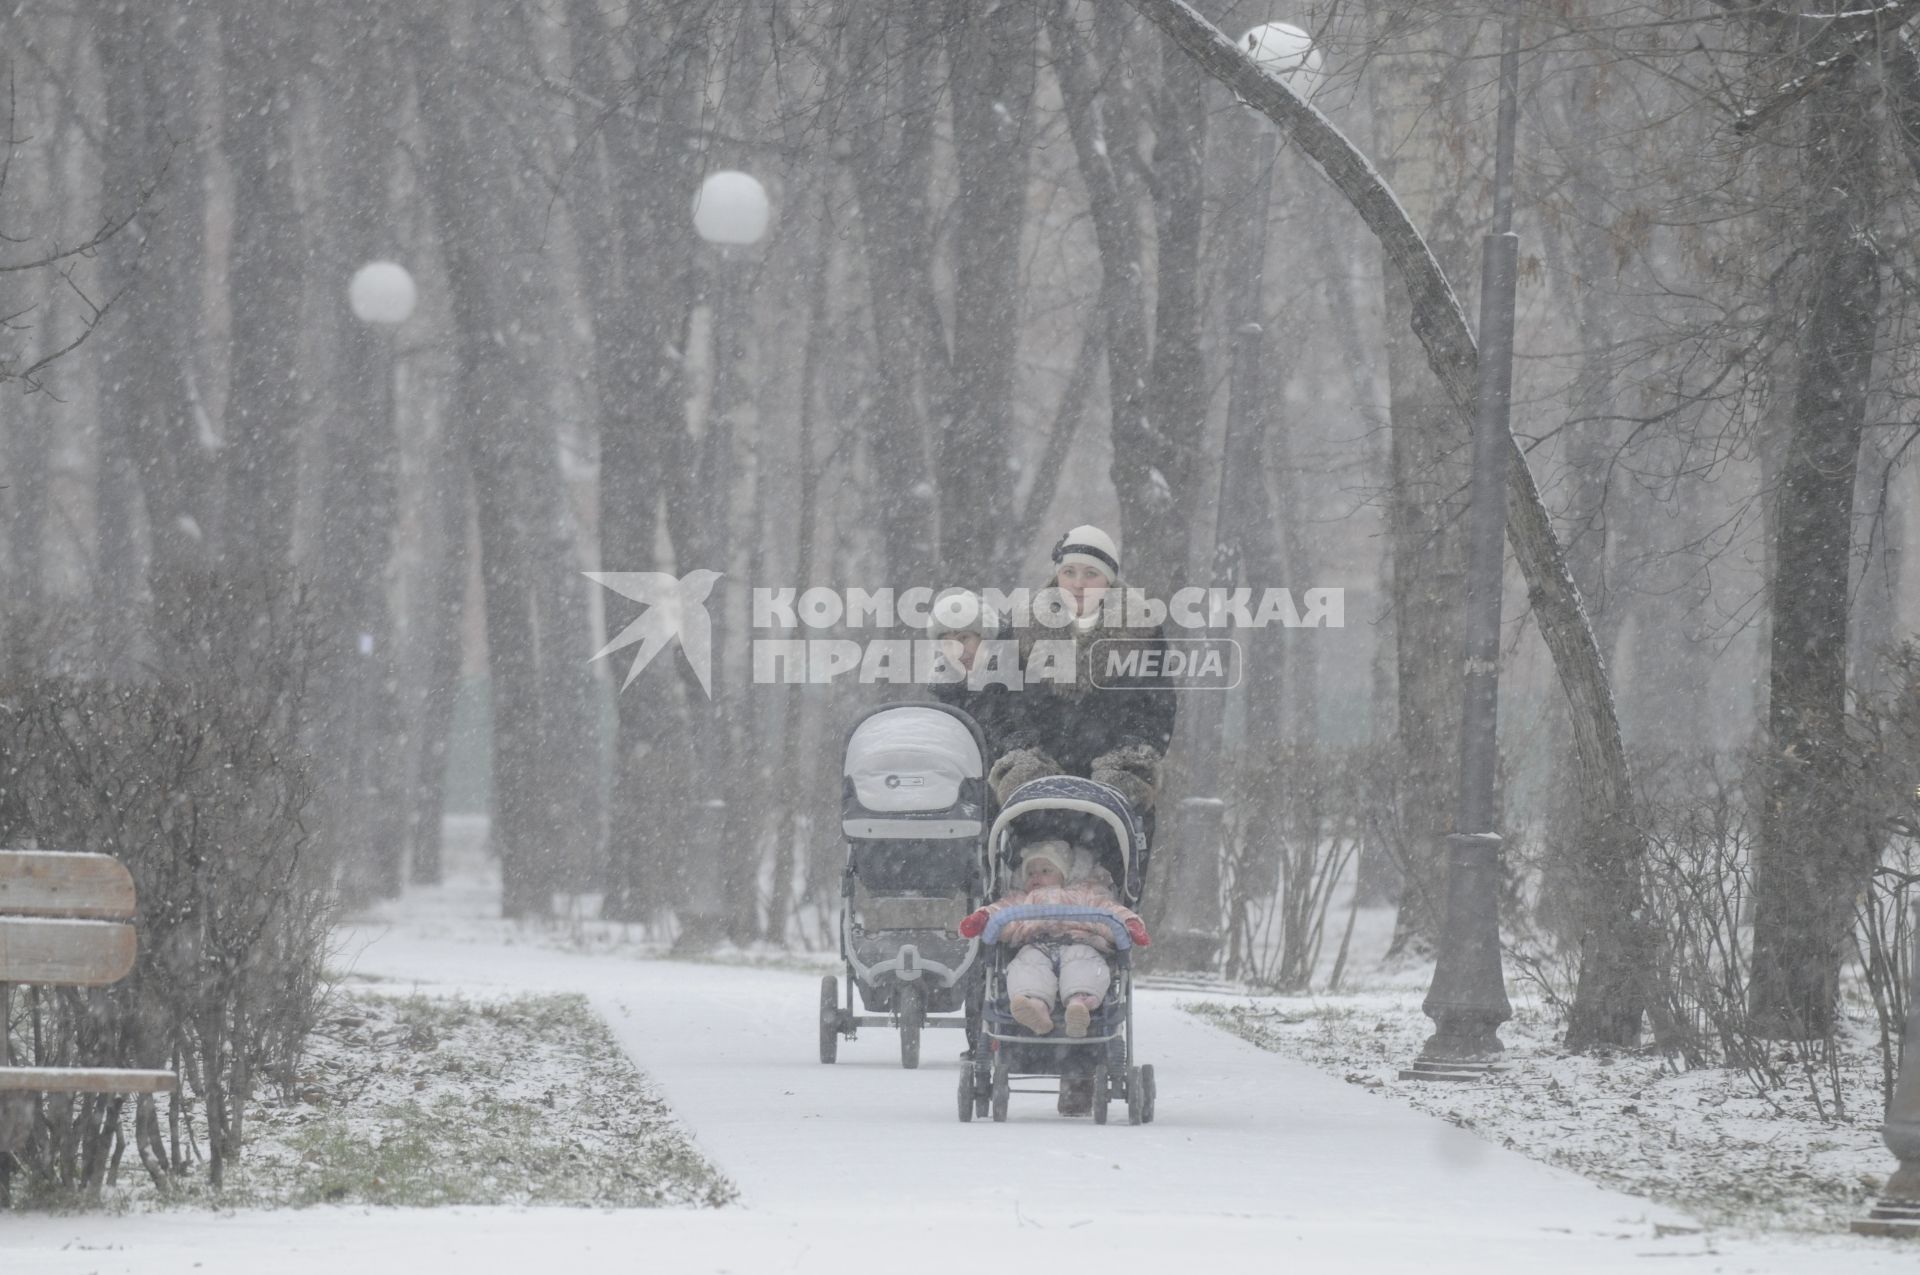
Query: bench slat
[[64, 884], [85, 1080], [68, 953]]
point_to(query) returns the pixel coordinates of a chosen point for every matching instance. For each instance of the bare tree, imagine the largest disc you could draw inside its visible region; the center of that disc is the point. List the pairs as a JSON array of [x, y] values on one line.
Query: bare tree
[[1611, 969]]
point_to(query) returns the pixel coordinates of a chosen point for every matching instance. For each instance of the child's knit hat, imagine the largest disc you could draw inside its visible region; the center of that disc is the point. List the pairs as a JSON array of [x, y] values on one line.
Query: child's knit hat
[[1053, 850]]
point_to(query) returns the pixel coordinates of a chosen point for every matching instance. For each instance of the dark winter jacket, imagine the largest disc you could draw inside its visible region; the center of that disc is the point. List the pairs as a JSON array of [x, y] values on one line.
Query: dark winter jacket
[[1116, 732], [991, 705]]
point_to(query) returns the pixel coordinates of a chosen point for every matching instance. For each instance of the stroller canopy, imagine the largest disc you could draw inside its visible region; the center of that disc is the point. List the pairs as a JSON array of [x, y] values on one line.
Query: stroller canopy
[[1080, 810], [913, 759]]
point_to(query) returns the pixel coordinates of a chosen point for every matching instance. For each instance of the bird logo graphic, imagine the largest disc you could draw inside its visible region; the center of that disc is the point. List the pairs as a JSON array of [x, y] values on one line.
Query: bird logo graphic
[[675, 608]]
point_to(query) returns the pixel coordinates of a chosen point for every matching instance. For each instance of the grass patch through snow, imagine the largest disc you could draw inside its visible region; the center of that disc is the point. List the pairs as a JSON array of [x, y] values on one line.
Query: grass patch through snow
[[426, 1102]]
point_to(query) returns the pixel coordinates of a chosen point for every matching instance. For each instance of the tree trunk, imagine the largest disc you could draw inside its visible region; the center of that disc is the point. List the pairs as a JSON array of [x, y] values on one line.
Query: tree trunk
[[353, 541], [892, 169], [487, 215], [991, 52], [1812, 855], [260, 425], [1422, 134], [633, 221], [1151, 540], [1178, 393], [150, 431], [1602, 890]]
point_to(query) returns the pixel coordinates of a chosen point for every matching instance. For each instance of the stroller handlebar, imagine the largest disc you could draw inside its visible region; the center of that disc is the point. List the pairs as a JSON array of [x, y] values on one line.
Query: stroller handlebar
[[1055, 912]]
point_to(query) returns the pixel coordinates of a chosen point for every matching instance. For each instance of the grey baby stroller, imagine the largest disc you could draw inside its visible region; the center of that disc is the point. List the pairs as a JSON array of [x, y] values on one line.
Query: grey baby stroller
[[1093, 816], [914, 811]]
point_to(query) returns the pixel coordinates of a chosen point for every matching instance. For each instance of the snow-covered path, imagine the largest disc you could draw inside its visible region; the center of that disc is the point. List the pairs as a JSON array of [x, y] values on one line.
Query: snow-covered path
[[1254, 1163]]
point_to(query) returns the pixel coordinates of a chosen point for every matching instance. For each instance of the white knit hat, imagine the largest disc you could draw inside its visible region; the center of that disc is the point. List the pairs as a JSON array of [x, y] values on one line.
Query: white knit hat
[[1089, 546], [963, 612], [1053, 850]]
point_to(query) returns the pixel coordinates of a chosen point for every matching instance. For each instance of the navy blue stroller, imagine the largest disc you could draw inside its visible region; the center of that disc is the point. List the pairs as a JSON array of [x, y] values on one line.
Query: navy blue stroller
[[914, 812], [1090, 815]]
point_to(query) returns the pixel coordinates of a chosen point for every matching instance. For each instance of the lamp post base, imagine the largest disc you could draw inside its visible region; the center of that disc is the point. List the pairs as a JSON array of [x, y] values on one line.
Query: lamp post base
[[1445, 1069], [1897, 1213], [1467, 1046], [1893, 1219]]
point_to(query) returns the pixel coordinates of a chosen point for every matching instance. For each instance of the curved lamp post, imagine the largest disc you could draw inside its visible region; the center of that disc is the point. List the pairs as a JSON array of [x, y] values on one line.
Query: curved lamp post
[[1467, 1000]]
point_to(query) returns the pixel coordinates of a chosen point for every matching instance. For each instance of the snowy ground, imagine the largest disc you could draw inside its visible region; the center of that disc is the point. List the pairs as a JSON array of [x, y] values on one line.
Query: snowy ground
[[1256, 1160], [1710, 1141]]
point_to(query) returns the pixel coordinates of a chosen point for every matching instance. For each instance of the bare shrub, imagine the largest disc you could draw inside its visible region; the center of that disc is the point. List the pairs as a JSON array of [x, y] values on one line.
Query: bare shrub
[[1699, 874], [1294, 828], [197, 782], [1885, 946], [1697, 887]]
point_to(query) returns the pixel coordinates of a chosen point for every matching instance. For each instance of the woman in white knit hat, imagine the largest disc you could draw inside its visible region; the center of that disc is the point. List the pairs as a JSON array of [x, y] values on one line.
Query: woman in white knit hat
[[1086, 566], [1115, 728]]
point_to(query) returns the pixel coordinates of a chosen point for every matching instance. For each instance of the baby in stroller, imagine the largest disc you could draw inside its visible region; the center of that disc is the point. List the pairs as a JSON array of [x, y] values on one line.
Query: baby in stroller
[[1061, 963]]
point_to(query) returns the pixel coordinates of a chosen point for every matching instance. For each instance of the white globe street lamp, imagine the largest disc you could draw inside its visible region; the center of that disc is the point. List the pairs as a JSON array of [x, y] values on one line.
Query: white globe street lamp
[[1287, 52], [731, 208], [382, 292]]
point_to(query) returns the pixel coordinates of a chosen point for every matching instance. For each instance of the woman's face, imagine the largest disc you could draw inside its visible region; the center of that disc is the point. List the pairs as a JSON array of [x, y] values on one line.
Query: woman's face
[[961, 648], [1082, 584], [1041, 873]]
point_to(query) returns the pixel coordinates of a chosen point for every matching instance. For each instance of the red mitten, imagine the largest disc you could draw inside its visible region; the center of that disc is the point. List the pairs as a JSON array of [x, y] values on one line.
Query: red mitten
[[1138, 930], [973, 923]]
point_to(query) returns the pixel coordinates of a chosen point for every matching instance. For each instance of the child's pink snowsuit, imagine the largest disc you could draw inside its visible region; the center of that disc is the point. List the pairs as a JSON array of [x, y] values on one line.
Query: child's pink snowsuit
[[1059, 960]]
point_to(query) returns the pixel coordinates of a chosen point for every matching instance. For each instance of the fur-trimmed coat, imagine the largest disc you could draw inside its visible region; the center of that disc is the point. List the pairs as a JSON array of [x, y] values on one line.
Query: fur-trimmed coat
[[1116, 732]]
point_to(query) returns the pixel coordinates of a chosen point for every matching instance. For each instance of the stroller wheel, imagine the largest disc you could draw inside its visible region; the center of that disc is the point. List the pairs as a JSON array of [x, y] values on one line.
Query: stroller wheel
[[1002, 1086], [1136, 1097], [1100, 1094], [1146, 1084], [966, 1092], [829, 1018], [912, 1014], [982, 1073]]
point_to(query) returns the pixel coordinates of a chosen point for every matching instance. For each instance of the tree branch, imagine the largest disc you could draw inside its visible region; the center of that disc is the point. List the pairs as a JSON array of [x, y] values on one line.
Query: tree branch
[[1441, 326], [1854, 31]]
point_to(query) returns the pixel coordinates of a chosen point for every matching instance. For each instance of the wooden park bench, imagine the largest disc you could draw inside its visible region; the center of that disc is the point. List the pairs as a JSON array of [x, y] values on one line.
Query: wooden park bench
[[63, 923]]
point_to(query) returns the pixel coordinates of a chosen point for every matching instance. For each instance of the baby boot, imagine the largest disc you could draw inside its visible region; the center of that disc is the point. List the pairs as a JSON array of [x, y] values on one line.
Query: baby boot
[[1033, 1014], [1079, 1013]]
